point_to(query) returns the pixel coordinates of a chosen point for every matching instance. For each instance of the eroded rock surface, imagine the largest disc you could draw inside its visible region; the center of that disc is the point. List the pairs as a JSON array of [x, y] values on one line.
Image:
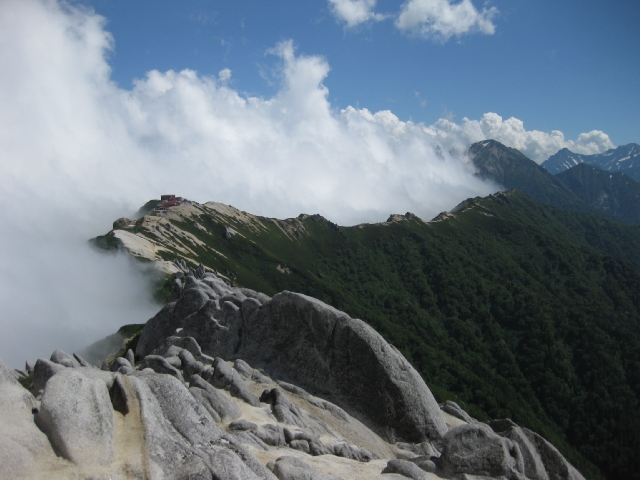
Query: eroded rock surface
[[21, 442], [476, 449], [311, 343], [77, 416]]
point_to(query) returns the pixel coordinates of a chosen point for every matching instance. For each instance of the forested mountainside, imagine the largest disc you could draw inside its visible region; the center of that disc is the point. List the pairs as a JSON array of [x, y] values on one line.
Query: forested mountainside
[[617, 195], [513, 308]]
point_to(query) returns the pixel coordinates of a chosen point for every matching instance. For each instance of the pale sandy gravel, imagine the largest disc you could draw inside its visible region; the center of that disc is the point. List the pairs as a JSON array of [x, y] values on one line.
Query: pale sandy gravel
[[451, 421], [340, 467], [137, 245], [153, 222], [179, 213], [255, 223], [143, 247], [250, 221]]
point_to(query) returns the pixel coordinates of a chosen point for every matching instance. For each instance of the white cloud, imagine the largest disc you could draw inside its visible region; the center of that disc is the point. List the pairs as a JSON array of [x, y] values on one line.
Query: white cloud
[[535, 144], [591, 142], [224, 75], [291, 153], [442, 19], [354, 12], [76, 152]]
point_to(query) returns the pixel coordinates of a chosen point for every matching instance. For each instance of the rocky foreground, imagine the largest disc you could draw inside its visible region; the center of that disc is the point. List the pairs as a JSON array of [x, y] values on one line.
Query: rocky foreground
[[227, 383]]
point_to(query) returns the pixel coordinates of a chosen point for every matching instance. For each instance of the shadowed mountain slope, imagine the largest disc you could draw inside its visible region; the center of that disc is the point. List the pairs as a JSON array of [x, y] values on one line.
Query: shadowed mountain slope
[[512, 169], [617, 195], [583, 188]]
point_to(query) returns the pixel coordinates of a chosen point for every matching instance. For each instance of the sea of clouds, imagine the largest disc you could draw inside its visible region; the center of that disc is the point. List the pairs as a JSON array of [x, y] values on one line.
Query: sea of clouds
[[77, 152]]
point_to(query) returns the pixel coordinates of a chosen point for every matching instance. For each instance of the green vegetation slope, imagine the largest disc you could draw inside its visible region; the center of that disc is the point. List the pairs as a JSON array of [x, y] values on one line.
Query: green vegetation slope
[[514, 308]]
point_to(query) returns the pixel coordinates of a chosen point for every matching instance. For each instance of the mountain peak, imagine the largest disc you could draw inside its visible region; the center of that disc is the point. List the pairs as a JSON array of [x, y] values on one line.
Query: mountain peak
[[625, 158], [512, 169]]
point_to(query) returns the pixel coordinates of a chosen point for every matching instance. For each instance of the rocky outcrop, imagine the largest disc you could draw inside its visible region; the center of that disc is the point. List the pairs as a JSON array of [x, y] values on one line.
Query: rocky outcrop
[[141, 425], [406, 469], [477, 450], [230, 384], [534, 468], [452, 408], [291, 468], [311, 343], [77, 416], [542, 460], [21, 442], [324, 349]]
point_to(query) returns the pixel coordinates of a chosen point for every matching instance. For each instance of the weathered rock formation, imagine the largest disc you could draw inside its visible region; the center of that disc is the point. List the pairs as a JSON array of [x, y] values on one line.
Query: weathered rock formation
[[312, 344], [228, 383]]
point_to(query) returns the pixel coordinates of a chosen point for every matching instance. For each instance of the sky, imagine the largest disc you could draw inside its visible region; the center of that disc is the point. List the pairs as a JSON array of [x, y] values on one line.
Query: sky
[[555, 65], [354, 109]]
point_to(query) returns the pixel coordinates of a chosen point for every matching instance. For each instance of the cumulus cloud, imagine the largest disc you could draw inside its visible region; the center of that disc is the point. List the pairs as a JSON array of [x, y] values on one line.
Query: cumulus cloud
[[290, 153], [591, 142], [354, 12], [535, 144], [78, 151], [442, 19]]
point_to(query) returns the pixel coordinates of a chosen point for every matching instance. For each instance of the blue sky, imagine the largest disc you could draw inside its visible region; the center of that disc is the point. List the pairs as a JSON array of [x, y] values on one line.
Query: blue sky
[[558, 65]]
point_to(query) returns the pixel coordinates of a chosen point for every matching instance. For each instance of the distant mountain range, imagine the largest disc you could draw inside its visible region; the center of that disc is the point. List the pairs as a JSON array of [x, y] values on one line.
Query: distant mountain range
[[625, 158], [584, 187]]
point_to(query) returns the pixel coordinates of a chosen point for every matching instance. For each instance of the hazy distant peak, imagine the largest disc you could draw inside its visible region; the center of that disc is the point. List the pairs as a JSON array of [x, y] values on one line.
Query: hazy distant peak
[[625, 158]]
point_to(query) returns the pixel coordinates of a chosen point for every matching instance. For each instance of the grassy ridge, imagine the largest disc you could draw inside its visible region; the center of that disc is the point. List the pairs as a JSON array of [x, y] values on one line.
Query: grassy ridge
[[513, 308]]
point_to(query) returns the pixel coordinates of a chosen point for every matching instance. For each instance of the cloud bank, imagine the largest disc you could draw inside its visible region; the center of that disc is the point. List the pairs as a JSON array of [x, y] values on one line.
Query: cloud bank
[[77, 152]]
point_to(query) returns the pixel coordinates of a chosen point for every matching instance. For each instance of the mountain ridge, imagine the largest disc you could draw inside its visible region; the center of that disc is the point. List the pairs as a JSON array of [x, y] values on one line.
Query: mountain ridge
[[579, 188], [449, 291], [512, 169], [625, 158]]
